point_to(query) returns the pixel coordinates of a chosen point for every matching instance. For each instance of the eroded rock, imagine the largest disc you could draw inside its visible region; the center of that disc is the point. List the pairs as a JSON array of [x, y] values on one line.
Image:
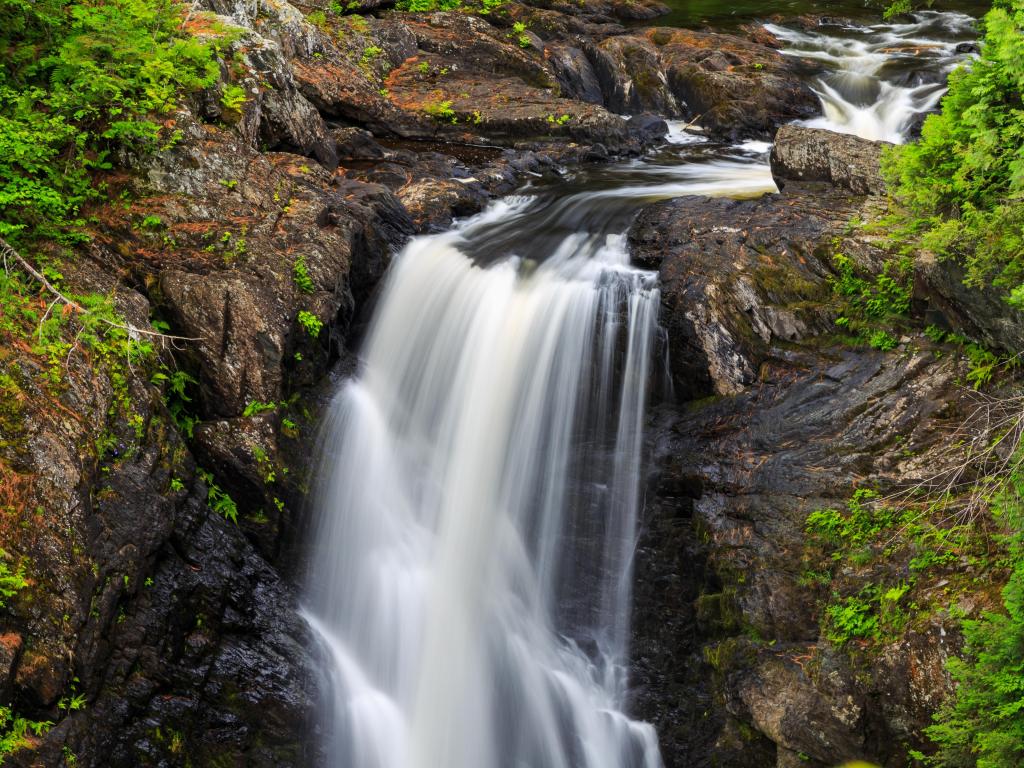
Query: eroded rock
[[809, 154]]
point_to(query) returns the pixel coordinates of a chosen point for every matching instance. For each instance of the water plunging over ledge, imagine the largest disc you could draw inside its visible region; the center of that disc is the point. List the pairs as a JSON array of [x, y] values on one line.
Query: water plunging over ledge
[[479, 481]]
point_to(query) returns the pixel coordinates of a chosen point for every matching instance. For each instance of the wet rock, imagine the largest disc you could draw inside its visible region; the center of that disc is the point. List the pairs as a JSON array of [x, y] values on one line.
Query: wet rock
[[241, 327], [632, 77], [729, 86], [808, 154], [737, 477], [739, 276], [734, 88]]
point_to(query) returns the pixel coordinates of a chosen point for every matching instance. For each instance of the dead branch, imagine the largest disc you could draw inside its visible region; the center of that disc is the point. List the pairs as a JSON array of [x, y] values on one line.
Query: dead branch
[[8, 251]]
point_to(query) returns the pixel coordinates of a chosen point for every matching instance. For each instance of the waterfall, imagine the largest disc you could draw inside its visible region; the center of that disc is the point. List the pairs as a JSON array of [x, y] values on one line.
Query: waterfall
[[881, 78], [478, 512]]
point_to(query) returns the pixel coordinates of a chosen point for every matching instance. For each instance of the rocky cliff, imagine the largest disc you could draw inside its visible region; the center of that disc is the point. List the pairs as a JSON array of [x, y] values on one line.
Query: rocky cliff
[[741, 654], [157, 507]]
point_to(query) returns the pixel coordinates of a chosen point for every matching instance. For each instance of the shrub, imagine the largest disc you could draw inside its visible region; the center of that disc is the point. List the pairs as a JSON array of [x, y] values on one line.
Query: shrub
[[78, 80], [983, 724], [961, 187]]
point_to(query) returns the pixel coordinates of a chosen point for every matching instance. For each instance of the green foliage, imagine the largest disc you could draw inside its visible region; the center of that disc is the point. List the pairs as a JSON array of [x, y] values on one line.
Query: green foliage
[[370, 54], [961, 187], [15, 730], [233, 97], [217, 499], [867, 539], [983, 724], [426, 6], [256, 407], [300, 275], [441, 110], [519, 32], [177, 398], [80, 79], [12, 581], [883, 340], [887, 294], [853, 617], [310, 322]]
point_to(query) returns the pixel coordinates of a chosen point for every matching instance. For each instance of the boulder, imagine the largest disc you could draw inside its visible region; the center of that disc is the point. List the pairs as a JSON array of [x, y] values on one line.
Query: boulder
[[809, 154]]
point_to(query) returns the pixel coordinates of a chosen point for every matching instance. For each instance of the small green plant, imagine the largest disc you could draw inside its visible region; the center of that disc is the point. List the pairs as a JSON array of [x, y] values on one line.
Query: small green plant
[[441, 110], [177, 398], [12, 581], [311, 323], [370, 54], [218, 500], [15, 730], [883, 340], [519, 31], [423, 67], [228, 183], [233, 97], [256, 407], [301, 277]]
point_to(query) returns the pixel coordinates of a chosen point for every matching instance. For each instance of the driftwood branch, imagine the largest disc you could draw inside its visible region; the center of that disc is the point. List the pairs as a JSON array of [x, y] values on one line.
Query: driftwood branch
[[8, 251]]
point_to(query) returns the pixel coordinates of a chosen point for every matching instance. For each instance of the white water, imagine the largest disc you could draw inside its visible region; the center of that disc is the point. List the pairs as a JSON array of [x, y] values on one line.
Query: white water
[[481, 508], [479, 480], [872, 88]]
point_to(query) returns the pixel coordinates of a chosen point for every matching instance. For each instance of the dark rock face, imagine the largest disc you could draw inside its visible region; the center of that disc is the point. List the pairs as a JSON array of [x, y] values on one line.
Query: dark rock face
[[740, 276], [738, 478], [808, 154], [728, 86], [978, 313], [728, 659]]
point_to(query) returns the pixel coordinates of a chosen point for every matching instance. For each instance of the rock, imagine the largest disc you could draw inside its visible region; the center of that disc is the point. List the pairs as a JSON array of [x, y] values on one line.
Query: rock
[[737, 477], [632, 77], [808, 154], [739, 276], [575, 75], [11, 645], [978, 313], [241, 326], [733, 88]]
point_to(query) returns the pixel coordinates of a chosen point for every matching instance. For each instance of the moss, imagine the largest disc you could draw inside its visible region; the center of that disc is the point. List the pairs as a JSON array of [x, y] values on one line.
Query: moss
[[730, 654], [720, 612], [784, 285]]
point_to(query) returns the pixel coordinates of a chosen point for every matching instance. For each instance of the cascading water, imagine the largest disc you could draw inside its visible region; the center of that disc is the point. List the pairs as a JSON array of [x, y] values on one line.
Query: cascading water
[[480, 490], [880, 78], [479, 479], [468, 637]]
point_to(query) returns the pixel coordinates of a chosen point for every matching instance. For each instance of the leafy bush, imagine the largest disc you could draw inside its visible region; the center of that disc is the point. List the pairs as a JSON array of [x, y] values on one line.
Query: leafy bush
[[962, 186], [80, 79], [301, 277], [311, 323], [983, 724]]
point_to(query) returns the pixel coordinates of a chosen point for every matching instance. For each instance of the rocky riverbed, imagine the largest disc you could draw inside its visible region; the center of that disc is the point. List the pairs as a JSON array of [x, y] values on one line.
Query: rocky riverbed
[[178, 629]]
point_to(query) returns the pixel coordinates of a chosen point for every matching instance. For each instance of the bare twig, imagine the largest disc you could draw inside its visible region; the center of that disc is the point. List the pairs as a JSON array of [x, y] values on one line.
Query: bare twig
[[6, 250], [983, 451]]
